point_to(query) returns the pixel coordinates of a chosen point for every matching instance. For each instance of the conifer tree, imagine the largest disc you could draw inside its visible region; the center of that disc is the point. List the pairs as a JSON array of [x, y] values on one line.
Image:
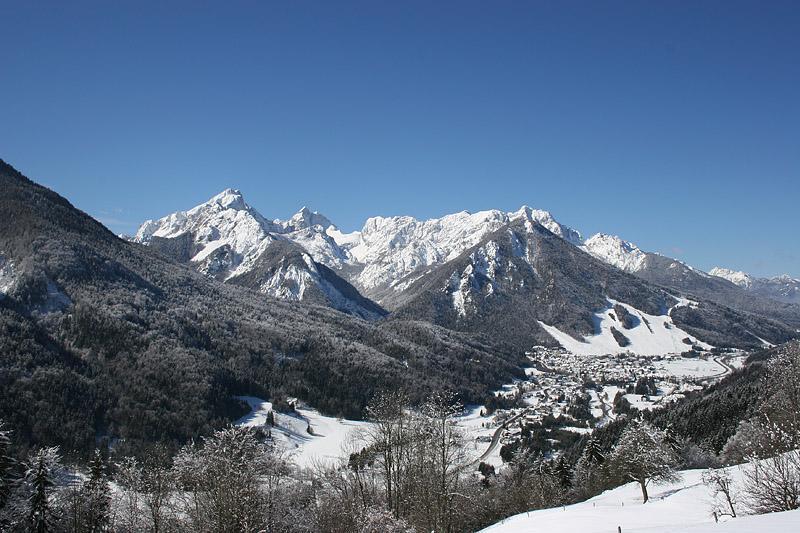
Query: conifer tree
[[7, 464], [40, 476], [97, 495]]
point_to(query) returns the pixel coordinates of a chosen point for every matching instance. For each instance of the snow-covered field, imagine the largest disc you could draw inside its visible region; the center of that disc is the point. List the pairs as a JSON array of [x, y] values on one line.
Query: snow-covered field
[[691, 367], [677, 507], [653, 335], [336, 438], [330, 438]]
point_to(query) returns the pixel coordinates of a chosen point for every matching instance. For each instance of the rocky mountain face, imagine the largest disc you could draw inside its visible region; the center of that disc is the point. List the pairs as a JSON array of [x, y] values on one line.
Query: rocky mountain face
[[779, 288], [227, 236]]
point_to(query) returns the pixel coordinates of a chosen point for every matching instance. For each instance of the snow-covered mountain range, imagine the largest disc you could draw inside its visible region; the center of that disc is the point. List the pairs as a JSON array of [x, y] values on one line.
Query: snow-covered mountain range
[[227, 236], [404, 265], [781, 288]]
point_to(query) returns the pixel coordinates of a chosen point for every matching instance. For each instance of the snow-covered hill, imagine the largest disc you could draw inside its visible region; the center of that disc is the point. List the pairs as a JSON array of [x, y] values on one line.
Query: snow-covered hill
[[647, 335], [308, 436], [685, 506]]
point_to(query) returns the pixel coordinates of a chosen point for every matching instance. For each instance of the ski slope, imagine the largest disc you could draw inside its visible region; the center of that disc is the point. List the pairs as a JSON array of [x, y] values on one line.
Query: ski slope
[[652, 334], [685, 506]]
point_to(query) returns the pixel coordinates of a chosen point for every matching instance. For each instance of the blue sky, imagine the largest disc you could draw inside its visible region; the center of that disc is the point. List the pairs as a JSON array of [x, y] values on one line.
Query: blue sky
[[673, 124]]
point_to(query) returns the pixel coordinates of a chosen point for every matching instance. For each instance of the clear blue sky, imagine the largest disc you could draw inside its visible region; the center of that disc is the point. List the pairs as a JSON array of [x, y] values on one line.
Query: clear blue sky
[[673, 124]]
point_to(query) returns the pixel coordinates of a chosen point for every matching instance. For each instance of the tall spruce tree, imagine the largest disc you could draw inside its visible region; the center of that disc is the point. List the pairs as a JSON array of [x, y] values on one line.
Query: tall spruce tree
[[7, 464], [97, 496], [40, 476]]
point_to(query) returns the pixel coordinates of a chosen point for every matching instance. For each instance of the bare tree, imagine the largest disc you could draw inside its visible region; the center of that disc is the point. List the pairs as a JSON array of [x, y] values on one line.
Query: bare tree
[[126, 500], [390, 438], [773, 484], [721, 485]]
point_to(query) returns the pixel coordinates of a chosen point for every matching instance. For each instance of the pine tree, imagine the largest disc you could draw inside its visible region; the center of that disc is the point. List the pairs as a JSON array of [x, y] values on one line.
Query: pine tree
[[40, 476], [564, 473], [97, 495], [7, 464], [594, 451]]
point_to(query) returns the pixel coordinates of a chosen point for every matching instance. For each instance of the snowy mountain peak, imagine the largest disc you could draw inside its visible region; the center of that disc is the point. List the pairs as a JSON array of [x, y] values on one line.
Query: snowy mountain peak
[[305, 218], [228, 199], [742, 279], [615, 251], [530, 215]]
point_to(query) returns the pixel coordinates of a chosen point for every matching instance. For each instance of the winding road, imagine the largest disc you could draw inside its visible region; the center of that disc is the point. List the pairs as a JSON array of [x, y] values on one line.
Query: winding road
[[499, 433]]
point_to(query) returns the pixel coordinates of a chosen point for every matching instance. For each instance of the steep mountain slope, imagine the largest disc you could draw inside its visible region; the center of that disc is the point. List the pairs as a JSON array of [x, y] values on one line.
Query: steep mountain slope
[[389, 249], [228, 240], [285, 270], [103, 337], [694, 283], [779, 288], [524, 284]]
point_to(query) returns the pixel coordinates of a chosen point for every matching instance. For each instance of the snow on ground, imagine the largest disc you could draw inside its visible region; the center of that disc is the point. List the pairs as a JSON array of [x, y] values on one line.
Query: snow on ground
[[637, 401], [652, 335], [478, 431], [677, 507], [330, 440], [690, 367], [335, 438]]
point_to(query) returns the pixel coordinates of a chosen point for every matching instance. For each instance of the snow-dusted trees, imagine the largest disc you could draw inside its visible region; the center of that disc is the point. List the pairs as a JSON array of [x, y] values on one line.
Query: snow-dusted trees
[[773, 484], [223, 481], [439, 461], [589, 476], [420, 453], [770, 440], [97, 495], [86, 504], [128, 498], [390, 439], [644, 455], [7, 464]]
